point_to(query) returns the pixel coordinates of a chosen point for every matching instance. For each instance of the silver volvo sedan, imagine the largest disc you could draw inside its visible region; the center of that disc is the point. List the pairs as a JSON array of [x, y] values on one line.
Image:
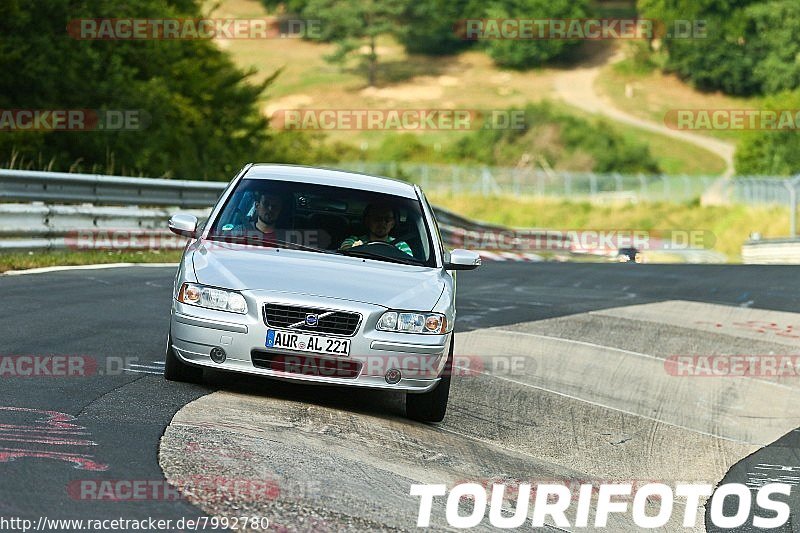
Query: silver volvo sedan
[[319, 276]]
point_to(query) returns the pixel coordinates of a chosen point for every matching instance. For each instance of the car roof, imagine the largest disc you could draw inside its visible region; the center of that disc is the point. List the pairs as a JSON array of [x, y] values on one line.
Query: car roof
[[326, 176]]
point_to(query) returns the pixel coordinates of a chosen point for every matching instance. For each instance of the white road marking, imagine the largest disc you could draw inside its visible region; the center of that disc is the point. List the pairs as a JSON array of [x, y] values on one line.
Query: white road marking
[[582, 343], [763, 325], [148, 367], [143, 371], [44, 270], [760, 379], [598, 404]]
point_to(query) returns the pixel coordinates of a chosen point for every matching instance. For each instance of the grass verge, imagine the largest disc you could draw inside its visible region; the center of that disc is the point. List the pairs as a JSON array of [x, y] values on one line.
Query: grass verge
[[39, 259], [652, 94], [674, 157], [729, 225]]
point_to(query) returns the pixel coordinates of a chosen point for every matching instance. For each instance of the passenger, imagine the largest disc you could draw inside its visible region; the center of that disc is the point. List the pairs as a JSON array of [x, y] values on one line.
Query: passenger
[[380, 219], [267, 208]]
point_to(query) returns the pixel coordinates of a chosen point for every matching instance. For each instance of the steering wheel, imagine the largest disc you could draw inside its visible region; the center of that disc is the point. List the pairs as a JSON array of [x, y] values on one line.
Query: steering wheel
[[379, 242]]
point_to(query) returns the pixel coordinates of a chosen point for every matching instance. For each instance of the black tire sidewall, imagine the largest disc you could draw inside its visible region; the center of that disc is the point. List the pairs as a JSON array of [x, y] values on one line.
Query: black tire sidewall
[[431, 406], [177, 370]]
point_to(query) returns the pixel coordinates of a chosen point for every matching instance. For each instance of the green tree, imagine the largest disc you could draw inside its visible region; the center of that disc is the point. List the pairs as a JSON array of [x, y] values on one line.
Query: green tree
[[521, 54], [751, 48], [294, 7], [203, 114], [774, 35], [353, 24], [771, 152], [432, 27]]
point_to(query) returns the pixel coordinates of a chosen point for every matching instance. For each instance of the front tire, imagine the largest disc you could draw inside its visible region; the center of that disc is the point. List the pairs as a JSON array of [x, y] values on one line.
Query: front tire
[[177, 370], [431, 406]]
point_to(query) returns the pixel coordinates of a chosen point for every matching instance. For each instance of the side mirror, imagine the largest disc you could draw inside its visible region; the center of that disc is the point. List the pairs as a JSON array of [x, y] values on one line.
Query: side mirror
[[463, 260], [185, 225]]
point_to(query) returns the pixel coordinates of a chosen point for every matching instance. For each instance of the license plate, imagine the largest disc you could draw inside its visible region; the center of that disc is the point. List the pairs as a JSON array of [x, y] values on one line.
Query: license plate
[[304, 342]]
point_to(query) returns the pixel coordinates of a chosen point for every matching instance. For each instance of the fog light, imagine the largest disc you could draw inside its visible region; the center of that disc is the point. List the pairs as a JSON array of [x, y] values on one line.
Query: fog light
[[393, 376], [218, 355]]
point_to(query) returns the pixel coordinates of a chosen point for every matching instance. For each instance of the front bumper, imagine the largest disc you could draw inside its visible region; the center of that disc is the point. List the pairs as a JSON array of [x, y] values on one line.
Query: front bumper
[[195, 331]]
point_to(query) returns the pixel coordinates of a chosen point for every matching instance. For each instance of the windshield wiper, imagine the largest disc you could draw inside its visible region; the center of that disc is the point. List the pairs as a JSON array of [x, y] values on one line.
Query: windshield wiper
[[371, 255], [243, 239]]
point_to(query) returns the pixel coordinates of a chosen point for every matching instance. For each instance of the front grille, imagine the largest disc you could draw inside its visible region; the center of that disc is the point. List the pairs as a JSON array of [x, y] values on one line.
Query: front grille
[[306, 365], [332, 322]]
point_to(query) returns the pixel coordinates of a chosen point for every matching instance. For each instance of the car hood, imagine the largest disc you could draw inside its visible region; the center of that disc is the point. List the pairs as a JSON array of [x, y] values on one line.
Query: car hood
[[282, 270]]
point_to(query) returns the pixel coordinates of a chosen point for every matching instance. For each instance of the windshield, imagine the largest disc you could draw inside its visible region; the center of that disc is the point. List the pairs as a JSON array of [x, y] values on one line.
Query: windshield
[[326, 219]]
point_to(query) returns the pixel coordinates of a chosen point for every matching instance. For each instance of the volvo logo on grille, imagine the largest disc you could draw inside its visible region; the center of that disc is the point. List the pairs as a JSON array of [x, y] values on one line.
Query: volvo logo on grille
[[312, 320]]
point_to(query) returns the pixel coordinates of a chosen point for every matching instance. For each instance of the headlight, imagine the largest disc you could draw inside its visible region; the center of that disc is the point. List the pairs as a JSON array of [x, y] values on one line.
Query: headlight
[[406, 322], [220, 299]]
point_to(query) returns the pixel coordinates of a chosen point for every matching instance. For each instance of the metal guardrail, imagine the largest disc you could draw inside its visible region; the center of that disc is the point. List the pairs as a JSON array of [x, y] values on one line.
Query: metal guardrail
[[771, 252], [27, 185], [60, 187], [115, 202], [39, 226], [122, 212]]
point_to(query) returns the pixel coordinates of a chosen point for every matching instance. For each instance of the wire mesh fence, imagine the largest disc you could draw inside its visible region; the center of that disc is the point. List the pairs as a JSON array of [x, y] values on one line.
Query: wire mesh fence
[[761, 191], [488, 181]]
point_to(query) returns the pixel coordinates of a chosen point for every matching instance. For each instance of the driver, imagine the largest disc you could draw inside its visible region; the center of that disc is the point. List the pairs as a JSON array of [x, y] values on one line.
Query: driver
[[380, 219]]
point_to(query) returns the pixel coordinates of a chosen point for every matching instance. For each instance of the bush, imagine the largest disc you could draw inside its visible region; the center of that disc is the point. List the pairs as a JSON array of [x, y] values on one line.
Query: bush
[[431, 27], [560, 139], [714, 64], [771, 152], [640, 59], [751, 48], [403, 147], [774, 30], [521, 54]]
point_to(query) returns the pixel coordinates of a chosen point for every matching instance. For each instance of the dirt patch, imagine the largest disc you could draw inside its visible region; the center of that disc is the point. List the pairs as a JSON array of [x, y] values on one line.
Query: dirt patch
[[420, 88], [294, 101]]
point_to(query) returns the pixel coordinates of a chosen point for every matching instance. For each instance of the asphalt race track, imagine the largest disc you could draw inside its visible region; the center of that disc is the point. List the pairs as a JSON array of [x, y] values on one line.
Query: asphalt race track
[[564, 377]]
